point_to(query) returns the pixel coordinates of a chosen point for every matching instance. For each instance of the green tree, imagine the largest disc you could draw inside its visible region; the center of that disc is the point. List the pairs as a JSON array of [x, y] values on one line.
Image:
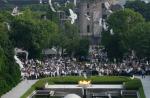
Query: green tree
[[32, 33], [9, 71], [141, 7], [139, 40], [83, 48], [121, 22], [72, 38]]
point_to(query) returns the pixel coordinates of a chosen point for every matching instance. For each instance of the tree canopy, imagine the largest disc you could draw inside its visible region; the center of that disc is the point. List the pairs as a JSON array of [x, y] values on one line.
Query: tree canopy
[[122, 22], [141, 7], [139, 40], [34, 30], [9, 71], [31, 32]]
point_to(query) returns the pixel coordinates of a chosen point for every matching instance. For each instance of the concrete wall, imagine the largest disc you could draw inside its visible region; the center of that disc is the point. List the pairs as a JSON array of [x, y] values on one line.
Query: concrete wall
[[94, 9]]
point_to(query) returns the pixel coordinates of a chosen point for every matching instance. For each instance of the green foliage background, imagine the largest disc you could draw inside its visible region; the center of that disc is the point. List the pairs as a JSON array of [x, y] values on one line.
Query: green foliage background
[[141, 7], [9, 71], [30, 31], [131, 32]]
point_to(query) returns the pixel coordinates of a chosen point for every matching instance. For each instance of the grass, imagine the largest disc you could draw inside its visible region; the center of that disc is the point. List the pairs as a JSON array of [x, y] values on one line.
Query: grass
[[129, 84]]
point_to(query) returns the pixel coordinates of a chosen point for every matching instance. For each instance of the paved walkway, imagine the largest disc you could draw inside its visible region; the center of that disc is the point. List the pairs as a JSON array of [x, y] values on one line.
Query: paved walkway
[[146, 85], [20, 89]]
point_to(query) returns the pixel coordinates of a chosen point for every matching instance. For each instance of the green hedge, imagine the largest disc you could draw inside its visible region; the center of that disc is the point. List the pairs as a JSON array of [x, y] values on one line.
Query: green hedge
[[128, 83], [135, 85], [141, 91], [94, 80]]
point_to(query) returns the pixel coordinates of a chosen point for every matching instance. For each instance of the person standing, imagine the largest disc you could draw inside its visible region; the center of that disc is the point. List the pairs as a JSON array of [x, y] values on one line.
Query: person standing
[[143, 74]]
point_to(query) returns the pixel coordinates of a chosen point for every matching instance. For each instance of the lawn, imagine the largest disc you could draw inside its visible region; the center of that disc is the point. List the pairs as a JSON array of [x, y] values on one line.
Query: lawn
[[129, 84]]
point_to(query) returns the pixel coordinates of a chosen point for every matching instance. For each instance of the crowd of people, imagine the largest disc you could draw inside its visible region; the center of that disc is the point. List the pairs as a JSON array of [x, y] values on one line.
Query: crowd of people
[[52, 67], [97, 64]]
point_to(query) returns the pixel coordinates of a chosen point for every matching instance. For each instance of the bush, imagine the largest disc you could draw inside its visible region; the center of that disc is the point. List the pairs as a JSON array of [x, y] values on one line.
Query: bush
[[108, 80], [133, 84], [3, 86]]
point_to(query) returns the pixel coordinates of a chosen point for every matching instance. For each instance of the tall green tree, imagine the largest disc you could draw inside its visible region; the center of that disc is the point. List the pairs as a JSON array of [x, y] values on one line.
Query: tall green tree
[[9, 70], [82, 48], [139, 40], [32, 33], [72, 34], [121, 22]]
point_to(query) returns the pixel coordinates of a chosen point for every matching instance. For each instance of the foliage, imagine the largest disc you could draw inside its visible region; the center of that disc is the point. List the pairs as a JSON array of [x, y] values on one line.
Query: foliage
[[141, 7], [135, 85], [71, 32], [141, 92], [36, 7], [113, 43], [139, 40], [130, 85], [69, 40], [121, 22], [83, 48], [9, 71], [95, 80], [32, 33]]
